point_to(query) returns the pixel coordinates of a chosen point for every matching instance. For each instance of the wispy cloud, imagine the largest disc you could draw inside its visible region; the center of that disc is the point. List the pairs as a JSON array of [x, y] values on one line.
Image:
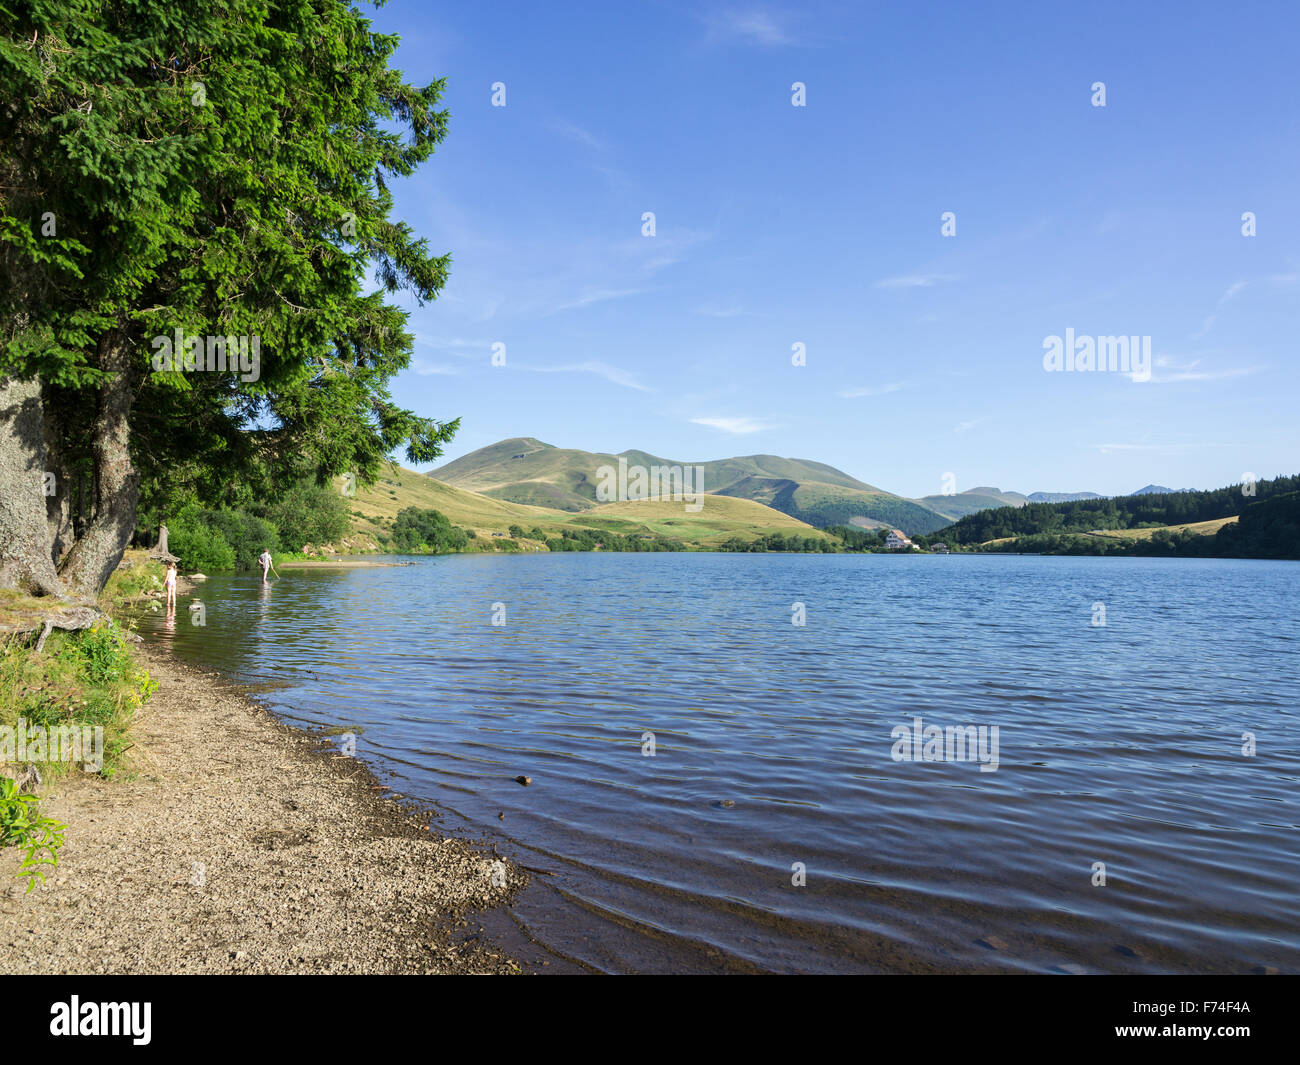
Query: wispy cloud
[[738, 426], [1165, 449], [713, 310], [1228, 293], [591, 296], [754, 26], [962, 427], [1235, 289], [610, 373], [1167, 370], [429, 369], [880, 390], [914, 281], [580, 135]]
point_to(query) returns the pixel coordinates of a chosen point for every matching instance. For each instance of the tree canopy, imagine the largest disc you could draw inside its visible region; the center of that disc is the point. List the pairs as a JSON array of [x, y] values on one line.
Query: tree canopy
[[172, 172]]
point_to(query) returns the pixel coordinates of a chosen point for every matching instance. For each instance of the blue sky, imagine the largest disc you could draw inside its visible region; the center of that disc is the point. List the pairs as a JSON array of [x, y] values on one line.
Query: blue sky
[[821, 225]]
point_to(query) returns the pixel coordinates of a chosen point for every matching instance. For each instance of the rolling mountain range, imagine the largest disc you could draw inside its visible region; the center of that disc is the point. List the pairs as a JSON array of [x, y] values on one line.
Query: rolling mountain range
[[527, 471]]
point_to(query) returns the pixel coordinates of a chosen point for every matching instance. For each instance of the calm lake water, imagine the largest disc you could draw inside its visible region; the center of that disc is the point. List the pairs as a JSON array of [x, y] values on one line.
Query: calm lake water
[[774, 744]]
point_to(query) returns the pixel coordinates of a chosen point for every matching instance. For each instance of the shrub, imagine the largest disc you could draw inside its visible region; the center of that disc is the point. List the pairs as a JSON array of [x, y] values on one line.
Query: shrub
[[21, 824], [307, 513], [198, 545]]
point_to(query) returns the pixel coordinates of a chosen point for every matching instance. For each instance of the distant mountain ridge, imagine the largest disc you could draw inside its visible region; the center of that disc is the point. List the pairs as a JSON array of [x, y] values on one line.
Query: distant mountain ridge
[[529, 471]]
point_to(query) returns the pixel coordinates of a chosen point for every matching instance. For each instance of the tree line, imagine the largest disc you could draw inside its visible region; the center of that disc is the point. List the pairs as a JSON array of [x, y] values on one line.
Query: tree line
[[1119, 512]]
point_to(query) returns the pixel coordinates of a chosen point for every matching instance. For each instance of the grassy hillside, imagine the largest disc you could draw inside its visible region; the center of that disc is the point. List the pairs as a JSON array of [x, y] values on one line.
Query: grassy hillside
[[1199, 528], [375, 508], [972, 500], [527, 471], [720, 519], [1266, 528], [1134, 513]]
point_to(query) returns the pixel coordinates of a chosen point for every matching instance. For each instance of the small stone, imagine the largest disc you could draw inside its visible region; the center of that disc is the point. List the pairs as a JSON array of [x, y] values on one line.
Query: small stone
[[727, 804], [992, 943], [1127, 951], [525, 781], [501, 816]]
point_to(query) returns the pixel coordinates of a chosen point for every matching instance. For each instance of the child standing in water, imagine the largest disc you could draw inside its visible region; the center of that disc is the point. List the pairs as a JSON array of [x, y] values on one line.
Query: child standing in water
[[171, 585]]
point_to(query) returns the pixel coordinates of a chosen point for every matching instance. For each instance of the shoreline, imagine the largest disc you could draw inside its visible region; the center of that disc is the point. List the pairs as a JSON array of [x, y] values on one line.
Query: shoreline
[[241, 844]]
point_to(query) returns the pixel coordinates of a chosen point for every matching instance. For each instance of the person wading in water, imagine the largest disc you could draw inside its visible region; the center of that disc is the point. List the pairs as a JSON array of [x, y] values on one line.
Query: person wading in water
[[265, 559]]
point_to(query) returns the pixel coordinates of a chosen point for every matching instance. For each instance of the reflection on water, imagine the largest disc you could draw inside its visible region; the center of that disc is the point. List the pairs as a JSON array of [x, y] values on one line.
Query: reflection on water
[[1118, 744]]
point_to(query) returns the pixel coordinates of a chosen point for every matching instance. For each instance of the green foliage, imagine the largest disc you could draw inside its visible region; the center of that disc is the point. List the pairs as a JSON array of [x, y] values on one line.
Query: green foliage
[[197, 544], [222, 171], [792, 543], [22, 824], [517, 532], [247, 534], [1121, 512], [856, 539], [420, 531], [86, 678], [308, 513], [1269, 528], [131, 582]]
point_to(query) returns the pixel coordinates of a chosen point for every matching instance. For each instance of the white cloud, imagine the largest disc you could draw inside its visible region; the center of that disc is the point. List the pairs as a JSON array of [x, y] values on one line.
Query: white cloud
[[591, 296], [428, 369], [738, 426], [856, 393], [1166, 371], [713, 310], [914, 281], [748, 27], [601, 369]]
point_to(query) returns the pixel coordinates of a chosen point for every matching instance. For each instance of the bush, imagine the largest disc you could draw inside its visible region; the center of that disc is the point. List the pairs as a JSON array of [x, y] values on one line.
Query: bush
[[418, 530], [197, 544], [307, 513], [247, 534]]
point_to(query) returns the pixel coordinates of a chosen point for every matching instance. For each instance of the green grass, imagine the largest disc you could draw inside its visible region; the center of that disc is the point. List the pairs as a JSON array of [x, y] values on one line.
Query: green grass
[[80, 678], [374, 509], [1201, 528]]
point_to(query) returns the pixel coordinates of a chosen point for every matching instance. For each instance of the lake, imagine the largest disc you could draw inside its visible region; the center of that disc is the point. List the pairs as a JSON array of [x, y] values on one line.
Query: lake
[[717, 788]]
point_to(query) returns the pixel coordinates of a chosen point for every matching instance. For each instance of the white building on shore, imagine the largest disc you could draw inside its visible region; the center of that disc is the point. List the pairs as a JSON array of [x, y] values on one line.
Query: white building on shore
[[898, 541]]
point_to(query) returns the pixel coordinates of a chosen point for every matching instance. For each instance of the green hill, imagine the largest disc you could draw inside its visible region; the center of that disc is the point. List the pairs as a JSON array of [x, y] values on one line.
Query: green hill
[[1134, 512], [527, 471], [972, 501], [374, 510]]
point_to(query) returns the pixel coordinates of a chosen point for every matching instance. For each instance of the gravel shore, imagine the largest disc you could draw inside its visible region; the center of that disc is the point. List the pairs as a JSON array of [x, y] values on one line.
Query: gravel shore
[[240, 845]]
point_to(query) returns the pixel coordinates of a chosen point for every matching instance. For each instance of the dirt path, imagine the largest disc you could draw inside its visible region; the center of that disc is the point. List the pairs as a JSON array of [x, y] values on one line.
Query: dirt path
[[242, 845]]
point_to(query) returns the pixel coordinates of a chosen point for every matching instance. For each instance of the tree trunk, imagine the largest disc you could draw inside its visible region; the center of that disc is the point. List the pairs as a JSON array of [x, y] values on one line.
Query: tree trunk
[[116, 488], [59, 505], [26, 562]]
